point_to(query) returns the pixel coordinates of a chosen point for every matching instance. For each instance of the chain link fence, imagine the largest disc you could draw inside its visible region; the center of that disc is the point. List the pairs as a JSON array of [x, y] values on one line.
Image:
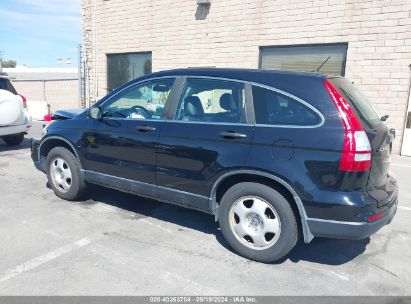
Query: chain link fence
[[58, 93]]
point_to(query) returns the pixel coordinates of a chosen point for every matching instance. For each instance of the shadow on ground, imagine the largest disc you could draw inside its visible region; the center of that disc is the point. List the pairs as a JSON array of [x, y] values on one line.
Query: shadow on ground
[[26, 144], [320, 250]]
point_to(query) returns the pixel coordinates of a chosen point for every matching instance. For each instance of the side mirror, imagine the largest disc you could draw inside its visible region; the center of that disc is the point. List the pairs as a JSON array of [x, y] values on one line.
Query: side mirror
[[95, 113]]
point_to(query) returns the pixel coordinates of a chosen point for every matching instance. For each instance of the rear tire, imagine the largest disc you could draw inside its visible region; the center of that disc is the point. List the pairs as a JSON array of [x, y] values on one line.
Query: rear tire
[[258, 222], [14, 140], [64, 174]]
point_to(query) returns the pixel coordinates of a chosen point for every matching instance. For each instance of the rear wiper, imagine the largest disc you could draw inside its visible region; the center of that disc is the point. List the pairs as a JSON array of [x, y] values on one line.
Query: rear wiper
[[385, 117]]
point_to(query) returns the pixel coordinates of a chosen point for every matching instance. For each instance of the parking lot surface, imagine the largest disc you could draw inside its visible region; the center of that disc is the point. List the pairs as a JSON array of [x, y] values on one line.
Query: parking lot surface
[[119, 244]]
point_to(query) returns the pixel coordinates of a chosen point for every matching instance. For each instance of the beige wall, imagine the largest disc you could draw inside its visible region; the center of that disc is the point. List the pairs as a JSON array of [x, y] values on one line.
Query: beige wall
[[179, 34]]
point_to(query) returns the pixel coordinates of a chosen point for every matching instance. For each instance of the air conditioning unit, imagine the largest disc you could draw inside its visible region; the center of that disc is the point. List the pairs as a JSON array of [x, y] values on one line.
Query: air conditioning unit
[[203, 2]]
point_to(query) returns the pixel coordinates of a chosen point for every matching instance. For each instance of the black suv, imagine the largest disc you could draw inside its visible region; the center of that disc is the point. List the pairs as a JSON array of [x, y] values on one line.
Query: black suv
[[272, 155]]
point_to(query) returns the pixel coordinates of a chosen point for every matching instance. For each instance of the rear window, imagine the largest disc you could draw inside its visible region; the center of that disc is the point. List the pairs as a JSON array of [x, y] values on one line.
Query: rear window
[[5, 84], [358, 101]]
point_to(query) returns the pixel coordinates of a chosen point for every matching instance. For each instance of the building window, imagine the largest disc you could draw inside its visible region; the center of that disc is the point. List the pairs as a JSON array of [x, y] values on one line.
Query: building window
[[125, 67], [305, 58]]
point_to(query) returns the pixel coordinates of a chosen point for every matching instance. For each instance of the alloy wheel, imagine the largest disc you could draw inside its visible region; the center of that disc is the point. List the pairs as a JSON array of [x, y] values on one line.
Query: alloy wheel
[[254, 222], [60, 174]]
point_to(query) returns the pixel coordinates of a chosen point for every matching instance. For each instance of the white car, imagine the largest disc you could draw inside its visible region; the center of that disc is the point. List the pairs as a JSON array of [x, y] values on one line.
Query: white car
[[14, 118]]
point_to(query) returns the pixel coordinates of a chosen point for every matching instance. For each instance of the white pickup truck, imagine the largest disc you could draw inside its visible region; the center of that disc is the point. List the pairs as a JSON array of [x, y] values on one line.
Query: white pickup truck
[[14, 118]]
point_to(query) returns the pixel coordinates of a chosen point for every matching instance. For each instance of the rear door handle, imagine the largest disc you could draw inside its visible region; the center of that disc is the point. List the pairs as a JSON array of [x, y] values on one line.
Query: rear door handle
[[145, 129], [230, 134]]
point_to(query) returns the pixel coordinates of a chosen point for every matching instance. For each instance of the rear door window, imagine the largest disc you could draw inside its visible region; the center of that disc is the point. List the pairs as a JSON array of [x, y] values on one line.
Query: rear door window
[[274, 108], [212, 100], [358, 101]]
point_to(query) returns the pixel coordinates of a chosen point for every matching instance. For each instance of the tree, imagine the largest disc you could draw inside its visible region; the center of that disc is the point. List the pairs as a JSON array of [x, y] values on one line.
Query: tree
[[147, 67], [118, 71], [9, 64]]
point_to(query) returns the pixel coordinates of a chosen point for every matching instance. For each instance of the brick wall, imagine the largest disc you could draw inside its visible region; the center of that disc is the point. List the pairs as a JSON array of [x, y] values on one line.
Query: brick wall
[[229, 33]]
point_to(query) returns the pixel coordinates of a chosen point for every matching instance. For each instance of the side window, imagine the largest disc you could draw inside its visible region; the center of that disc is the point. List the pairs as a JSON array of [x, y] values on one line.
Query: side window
[[143, 101], [274, 108], [212, 100]]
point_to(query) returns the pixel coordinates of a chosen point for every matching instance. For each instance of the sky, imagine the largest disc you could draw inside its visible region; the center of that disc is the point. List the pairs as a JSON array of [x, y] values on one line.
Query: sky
[[36, 33]]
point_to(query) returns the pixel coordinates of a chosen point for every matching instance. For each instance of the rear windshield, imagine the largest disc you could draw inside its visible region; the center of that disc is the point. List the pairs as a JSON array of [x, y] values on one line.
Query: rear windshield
[[5, 84], [358, 101]]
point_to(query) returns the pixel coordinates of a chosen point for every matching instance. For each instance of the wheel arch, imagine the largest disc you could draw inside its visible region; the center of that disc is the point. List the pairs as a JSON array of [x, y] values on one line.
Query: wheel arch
[[56, 141], [227, 180]]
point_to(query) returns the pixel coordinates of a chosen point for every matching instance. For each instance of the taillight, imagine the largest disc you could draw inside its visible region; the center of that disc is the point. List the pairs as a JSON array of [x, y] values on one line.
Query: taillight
[[24, 101], [47, 117], [356, 155]]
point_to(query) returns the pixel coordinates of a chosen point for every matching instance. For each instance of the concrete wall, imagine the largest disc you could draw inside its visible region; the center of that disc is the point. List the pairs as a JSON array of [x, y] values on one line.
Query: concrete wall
[[229, 33]]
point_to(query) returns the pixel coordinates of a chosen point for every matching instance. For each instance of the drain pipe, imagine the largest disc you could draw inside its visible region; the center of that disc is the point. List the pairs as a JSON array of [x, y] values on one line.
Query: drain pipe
[[406, 109]]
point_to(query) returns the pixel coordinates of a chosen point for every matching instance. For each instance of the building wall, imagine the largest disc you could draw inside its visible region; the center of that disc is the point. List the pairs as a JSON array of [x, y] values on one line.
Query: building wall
[[229, 34]]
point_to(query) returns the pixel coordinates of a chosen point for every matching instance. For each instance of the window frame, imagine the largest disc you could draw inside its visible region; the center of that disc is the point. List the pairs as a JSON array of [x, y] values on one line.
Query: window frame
[[167, 104], [342, 44], [177, 90]]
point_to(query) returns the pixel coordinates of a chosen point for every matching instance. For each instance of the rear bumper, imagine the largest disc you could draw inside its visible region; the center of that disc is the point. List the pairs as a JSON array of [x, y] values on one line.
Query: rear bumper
[[22, 125], [13, 130], [353, 230]]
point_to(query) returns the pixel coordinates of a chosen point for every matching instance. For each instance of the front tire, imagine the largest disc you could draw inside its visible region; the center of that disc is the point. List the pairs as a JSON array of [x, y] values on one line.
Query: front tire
[[14, 140], [64, 174], [258, 222]]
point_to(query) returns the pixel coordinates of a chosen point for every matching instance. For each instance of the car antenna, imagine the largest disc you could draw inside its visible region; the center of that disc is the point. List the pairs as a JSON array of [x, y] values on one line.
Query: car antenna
[[322, 64]]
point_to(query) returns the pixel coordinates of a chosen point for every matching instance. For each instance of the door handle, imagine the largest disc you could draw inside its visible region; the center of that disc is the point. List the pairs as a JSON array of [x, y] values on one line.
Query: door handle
[[145, 129], [230, 134]]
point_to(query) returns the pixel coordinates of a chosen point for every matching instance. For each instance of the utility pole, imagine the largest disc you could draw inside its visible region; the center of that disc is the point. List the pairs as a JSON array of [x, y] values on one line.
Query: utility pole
[[79, 76]]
